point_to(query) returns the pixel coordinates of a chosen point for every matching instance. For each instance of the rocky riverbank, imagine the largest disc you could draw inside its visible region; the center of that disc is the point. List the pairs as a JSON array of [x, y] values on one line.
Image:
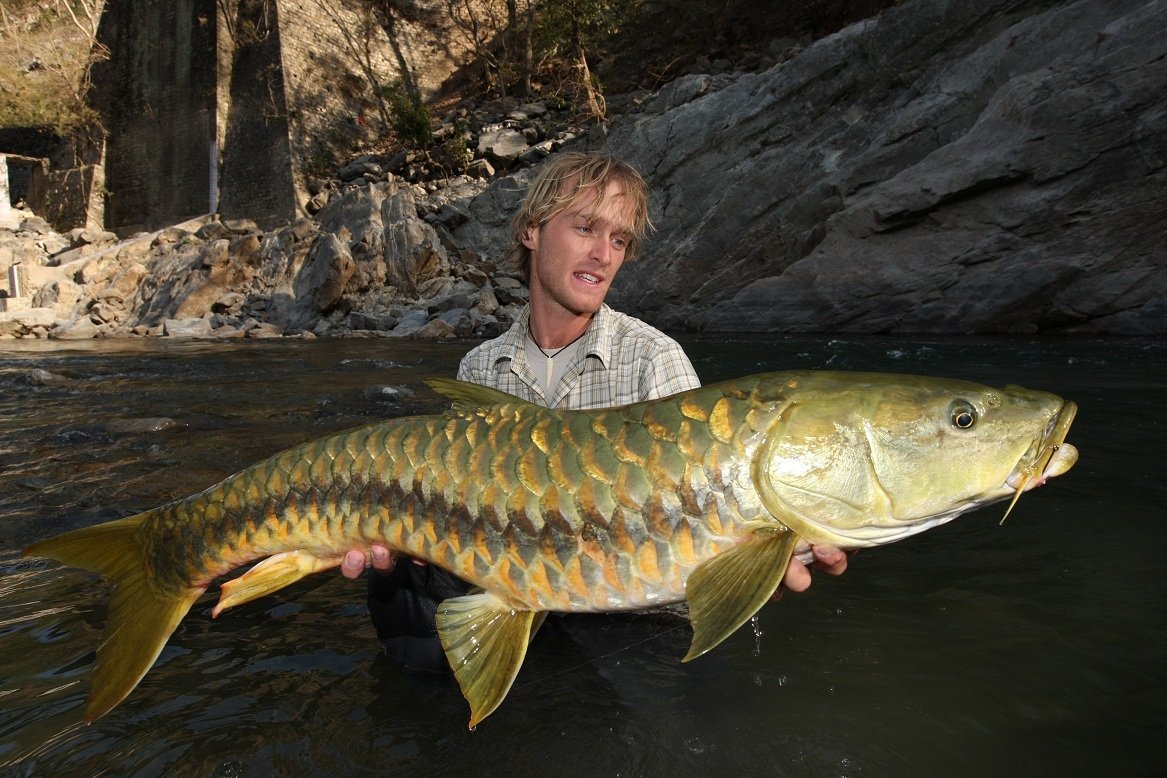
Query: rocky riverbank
[[374, 258]]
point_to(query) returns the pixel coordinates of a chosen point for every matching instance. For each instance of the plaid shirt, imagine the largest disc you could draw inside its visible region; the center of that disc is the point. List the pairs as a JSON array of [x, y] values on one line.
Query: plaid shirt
[[621, 360]]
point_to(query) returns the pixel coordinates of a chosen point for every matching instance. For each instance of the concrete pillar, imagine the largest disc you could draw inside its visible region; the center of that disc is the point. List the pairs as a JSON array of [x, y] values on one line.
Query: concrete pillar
[[15, 288], [9, 219]]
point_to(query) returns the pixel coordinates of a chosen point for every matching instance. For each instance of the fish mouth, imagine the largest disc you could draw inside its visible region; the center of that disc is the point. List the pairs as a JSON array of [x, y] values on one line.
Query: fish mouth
[[1052, 456]]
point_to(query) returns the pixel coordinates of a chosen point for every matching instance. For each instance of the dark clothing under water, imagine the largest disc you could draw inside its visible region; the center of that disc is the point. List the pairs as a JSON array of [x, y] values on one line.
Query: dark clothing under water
[[402, 605]]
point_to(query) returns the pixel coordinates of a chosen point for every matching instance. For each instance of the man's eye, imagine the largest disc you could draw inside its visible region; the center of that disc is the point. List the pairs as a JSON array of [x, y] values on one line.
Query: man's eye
[[620, 243]]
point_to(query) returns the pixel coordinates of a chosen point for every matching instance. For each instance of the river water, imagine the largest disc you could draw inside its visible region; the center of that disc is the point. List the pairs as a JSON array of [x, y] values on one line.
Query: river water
[[1036, 647]]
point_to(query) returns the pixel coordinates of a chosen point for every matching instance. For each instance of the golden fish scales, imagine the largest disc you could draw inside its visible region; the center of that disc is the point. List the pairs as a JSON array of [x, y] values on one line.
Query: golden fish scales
[[703, 496], [612, 514]]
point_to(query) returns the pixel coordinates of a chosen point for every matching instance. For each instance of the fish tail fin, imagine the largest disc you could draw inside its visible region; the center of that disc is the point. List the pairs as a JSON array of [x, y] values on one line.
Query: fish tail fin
[[141, 617]]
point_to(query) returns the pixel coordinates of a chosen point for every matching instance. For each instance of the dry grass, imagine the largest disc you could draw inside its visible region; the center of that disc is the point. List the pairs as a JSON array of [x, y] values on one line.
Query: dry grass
[[42, 57]]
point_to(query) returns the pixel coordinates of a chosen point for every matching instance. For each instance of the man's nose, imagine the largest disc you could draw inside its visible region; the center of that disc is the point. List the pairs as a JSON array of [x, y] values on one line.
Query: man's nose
[[602, 249]]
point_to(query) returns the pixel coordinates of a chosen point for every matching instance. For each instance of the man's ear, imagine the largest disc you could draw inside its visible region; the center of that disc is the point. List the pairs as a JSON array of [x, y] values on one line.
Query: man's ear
[[531, 236]]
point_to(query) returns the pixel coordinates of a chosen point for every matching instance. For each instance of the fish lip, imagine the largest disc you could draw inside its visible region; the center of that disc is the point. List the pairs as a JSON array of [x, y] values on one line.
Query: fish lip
[[1046, 462]]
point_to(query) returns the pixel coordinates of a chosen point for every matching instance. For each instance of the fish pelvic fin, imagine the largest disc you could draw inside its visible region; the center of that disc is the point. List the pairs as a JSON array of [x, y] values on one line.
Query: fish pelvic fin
[[272, 574], [141, 616], [485, 642], [725, 591]]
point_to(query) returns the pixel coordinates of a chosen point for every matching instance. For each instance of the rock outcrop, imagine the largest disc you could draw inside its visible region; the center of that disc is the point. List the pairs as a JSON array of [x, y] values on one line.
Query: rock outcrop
[[943, 167]]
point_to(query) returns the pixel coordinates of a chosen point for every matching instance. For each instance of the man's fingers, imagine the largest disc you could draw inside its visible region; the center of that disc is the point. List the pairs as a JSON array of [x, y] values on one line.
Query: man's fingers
[[797, 578], [382, 559], [353, 564], [826, 559], [830, 560]]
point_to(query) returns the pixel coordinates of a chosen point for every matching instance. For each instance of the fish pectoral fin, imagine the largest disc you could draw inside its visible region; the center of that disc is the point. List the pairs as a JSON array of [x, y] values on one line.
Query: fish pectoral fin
[[725, 591], [485, 641], [272, 574]]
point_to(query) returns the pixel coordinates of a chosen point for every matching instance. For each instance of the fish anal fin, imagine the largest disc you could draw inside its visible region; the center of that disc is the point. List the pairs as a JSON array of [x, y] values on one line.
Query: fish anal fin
[[485, 642], [725, 591], [272, 574]]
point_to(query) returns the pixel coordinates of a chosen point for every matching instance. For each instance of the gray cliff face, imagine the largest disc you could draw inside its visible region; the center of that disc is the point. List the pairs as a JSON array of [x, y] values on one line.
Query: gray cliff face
[[944, 167]]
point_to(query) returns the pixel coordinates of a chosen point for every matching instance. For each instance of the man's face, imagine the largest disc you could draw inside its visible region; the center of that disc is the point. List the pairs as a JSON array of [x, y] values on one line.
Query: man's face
[[576, 254]]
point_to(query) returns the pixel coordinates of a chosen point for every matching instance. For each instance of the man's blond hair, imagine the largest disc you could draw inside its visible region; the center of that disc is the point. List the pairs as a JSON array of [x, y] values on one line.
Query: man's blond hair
[[565, 179]]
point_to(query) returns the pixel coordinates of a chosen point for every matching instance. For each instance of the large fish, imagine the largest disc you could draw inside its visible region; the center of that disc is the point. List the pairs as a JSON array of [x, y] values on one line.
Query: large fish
[[703, 496]]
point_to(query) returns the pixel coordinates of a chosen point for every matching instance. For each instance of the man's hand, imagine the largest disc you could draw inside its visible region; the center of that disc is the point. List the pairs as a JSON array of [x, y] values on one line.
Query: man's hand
[[827, 559], [355, 561]]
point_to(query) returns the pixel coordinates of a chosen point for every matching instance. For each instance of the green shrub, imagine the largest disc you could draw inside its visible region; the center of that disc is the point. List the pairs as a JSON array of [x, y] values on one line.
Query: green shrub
[[411, 117]]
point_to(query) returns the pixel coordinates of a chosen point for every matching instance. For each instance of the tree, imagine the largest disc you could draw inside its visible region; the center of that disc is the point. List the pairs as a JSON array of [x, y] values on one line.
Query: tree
[[570, 29], [46, 71]]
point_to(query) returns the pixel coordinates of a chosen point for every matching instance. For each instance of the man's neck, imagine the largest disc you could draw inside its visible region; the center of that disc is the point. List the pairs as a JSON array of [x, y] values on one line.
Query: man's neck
[[556, 328]]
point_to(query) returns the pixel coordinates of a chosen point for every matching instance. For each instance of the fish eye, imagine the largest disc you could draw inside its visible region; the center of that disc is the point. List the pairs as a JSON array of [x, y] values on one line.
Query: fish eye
[[962, 414]]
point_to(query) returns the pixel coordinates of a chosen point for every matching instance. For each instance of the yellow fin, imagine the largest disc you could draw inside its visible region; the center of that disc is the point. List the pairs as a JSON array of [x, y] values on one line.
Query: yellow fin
[[270, 575], [485, 642], [725, 591], [468, 396], [141, 617]]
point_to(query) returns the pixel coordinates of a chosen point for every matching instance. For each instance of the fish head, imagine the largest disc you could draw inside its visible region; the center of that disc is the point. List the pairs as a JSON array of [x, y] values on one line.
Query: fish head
[[866, 459]]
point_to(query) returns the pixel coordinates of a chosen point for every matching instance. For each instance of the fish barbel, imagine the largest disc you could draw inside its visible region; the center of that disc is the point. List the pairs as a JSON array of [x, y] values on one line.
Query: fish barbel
[[703, 496]]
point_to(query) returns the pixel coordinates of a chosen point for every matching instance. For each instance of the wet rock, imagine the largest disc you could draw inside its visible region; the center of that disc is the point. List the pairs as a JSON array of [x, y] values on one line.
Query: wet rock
[[386, 392], [434, 329], [141, 426], [264, 330], [187, 328], [78, 328], [41, 377]]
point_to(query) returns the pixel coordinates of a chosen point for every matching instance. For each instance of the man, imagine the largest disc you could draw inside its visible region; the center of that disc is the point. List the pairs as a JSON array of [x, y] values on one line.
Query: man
[[583, 217]]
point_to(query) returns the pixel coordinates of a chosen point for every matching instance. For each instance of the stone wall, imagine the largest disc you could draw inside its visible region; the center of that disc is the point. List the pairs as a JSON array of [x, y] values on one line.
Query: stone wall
[[273, 87], [256, 174], [156, 94]]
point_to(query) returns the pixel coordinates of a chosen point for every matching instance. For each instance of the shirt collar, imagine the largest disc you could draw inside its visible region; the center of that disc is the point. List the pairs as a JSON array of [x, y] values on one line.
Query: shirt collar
[[597, 341]]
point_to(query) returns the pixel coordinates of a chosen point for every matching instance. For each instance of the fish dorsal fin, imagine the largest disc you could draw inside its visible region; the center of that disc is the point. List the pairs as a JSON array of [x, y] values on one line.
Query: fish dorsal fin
[[485, 642], [725, 591], [468, 396]]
